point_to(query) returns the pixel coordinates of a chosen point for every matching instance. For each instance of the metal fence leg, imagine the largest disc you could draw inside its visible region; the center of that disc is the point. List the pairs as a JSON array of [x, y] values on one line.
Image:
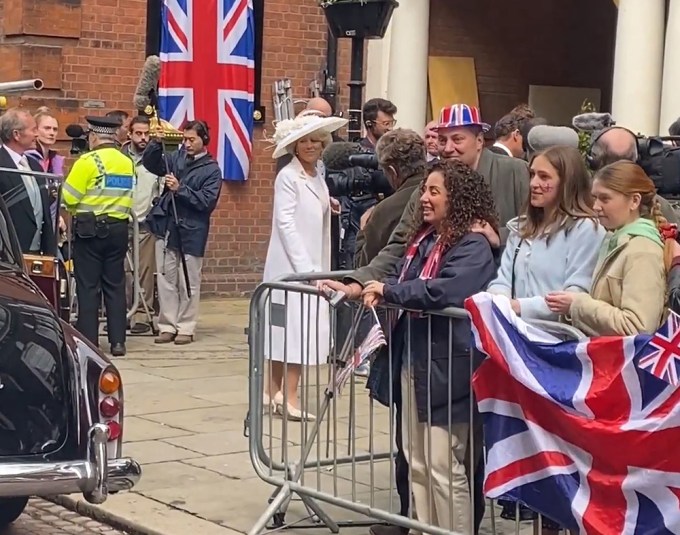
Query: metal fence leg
[[271, 511]]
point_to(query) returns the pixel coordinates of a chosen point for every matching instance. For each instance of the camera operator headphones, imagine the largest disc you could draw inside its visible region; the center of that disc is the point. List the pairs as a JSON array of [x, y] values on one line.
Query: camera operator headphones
[[203, 131], [591, 160]]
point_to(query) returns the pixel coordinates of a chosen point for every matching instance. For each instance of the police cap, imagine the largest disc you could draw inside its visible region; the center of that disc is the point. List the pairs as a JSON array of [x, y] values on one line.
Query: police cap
[[103, 125]]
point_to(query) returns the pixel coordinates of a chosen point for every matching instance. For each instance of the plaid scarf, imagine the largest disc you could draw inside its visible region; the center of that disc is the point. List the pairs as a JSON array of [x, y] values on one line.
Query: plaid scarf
[[431, 267]]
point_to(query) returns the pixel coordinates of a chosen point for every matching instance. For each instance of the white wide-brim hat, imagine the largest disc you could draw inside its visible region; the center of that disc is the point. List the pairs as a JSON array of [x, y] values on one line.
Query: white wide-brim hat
[[290, 131]]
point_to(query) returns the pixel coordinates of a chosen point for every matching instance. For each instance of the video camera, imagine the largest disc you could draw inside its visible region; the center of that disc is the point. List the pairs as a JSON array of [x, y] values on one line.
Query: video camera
[[78, 135], [352, 171], [661, 161]]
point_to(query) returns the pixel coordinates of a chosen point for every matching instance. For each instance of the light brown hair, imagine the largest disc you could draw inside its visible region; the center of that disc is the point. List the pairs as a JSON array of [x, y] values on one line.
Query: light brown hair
[[574, 200], [41, 113], [628, 178]]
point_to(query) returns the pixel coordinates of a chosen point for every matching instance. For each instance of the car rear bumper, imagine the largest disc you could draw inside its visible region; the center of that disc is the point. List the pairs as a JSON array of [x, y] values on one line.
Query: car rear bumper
[[94, 477]]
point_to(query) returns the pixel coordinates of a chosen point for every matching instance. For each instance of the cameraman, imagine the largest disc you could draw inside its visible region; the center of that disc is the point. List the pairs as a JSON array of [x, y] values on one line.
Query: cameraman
[[402, 157], [378, 116]]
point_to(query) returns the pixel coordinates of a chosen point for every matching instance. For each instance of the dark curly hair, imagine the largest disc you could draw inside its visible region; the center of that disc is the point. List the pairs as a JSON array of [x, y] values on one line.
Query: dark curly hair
[[469, 201]]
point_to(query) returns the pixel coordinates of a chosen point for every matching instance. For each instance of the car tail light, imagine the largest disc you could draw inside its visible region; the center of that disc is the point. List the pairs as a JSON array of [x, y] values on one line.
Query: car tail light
[[111, 405], [115, 430], [109, 382]]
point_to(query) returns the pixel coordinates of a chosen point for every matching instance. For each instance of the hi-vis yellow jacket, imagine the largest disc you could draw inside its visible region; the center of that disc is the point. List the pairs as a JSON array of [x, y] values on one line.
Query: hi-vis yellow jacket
[[101, 181]]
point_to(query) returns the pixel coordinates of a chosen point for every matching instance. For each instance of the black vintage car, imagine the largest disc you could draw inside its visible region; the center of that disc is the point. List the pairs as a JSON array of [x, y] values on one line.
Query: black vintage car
[[61, 399]]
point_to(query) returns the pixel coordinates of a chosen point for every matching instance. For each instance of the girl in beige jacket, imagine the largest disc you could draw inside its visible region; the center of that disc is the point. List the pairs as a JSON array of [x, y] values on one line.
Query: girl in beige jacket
[[628, 292]]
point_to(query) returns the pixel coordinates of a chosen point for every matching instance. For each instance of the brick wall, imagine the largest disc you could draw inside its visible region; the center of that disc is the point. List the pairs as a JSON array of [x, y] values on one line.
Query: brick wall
[[89, 53], [527, 42]]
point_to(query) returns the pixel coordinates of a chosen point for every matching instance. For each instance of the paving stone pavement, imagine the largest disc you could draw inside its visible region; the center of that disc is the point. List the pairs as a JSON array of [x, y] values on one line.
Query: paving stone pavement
[[184, 418], [45, 518]]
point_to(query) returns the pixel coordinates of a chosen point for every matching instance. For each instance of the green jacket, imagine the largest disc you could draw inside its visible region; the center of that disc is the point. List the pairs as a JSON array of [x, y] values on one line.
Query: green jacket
[[509, 182]]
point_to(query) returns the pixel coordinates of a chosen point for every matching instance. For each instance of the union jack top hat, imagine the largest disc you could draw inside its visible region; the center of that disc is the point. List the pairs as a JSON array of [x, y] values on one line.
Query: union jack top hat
[[460, 115]]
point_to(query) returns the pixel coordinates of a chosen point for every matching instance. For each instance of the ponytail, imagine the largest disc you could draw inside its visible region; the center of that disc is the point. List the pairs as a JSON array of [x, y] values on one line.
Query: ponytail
[[668, 232]]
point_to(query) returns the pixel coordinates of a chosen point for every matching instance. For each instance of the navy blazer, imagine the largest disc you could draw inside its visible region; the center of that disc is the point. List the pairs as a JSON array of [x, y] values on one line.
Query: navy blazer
[[439, 354]]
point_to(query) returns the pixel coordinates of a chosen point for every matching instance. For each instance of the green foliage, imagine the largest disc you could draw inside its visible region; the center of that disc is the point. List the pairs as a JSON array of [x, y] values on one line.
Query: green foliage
[[584, 137]]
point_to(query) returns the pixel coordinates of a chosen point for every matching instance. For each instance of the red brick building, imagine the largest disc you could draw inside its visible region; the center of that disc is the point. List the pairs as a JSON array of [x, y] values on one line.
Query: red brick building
[[89, 53]]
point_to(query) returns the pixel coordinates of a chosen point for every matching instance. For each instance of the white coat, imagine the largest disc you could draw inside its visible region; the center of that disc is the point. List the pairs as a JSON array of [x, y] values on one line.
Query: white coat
[[300, 242]]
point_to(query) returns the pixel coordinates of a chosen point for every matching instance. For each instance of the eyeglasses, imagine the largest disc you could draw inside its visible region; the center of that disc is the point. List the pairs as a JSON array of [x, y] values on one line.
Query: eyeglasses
[[387, 124]]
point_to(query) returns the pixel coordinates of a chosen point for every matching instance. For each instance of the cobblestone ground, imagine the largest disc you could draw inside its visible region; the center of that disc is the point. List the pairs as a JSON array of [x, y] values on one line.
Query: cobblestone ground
[[45, 518]]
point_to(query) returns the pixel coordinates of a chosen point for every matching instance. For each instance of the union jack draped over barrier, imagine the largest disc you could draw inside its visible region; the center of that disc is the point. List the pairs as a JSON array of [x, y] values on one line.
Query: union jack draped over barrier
[[208, 73], [579, 431]]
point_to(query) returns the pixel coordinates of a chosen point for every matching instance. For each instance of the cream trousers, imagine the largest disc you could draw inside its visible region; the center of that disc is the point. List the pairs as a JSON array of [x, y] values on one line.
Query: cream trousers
[[178, 314], [436, 458]]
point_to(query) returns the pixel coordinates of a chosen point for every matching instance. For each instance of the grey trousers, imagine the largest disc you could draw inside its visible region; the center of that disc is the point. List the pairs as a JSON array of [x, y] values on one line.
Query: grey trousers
[[178, 314]]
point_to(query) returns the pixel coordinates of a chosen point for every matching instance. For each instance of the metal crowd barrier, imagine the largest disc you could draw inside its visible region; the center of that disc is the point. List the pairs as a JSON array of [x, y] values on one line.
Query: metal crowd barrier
[[344, 457]]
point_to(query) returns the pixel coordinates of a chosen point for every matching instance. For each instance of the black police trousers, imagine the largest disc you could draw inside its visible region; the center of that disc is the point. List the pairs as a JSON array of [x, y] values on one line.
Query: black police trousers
[[99, 264]]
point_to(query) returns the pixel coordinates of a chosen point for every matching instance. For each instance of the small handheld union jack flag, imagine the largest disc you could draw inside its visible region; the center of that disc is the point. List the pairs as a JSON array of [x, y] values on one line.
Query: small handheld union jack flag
[[374, 340]]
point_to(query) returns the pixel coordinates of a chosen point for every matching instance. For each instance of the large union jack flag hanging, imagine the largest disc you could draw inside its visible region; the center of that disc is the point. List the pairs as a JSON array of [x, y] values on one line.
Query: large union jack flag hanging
[[208, 72], [577, 430]]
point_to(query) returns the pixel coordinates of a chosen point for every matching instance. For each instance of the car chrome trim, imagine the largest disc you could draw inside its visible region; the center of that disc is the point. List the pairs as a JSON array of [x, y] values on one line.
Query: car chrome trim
[[95, 477]]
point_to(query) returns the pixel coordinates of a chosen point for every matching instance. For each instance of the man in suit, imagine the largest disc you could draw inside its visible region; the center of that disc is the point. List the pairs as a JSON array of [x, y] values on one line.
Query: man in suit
[[508, 137], [25, 196]]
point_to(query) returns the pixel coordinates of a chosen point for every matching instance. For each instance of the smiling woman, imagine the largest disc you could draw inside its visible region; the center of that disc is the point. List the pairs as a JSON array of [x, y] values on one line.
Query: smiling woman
[[299, 243]]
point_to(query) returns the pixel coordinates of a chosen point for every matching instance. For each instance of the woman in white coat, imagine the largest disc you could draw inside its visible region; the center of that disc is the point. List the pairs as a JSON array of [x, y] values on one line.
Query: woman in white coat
[[298, 326]]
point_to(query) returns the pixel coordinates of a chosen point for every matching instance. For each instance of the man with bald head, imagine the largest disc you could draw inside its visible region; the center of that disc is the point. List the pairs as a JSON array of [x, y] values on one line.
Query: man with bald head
[[616, 144]]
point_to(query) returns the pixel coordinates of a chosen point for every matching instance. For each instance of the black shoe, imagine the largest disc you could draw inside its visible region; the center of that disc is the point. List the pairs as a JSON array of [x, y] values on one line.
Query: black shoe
[[118, 350], [140, 328], [387, 529]]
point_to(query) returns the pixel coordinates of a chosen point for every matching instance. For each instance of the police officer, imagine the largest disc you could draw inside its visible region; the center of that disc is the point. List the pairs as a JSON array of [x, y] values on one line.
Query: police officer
[[98, 191]]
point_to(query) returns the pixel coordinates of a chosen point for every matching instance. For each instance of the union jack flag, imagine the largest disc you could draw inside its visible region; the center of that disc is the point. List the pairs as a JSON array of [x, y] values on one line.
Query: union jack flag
[[662, 357], [576, 430], [208, 73]]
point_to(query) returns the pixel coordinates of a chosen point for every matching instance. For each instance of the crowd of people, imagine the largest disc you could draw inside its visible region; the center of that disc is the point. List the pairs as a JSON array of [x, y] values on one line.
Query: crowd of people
[[123, 176], [568, 237]]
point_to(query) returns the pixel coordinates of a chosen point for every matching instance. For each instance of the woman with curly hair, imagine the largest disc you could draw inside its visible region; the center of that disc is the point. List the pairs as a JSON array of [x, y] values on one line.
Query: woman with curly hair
[[446, 261]]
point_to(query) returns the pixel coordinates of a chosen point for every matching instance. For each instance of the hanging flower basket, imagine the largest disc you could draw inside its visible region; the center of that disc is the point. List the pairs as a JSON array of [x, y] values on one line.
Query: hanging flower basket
[[364, 19]]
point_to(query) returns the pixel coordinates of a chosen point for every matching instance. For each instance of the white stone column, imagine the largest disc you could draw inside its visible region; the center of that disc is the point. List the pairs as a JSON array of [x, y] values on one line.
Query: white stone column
[[377, 66], [670, 91], [407, 83], [638, 62]]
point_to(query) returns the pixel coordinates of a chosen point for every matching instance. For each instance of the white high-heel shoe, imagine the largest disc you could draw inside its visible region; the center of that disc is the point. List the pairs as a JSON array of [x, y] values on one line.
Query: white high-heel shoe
[[267, 402], [293, 413]]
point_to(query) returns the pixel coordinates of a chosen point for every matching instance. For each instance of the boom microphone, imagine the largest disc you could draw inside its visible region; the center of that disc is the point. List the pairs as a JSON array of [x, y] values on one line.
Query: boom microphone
[[148, 81], [336, 156], [592, 122]]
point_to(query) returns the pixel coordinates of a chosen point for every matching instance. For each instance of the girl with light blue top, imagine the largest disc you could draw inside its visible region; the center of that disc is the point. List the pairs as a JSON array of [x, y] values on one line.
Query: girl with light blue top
[[554, 244]]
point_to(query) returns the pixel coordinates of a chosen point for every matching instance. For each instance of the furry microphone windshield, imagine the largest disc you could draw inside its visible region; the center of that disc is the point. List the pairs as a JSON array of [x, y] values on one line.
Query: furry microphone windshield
[[593, 122], [148, 81]]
